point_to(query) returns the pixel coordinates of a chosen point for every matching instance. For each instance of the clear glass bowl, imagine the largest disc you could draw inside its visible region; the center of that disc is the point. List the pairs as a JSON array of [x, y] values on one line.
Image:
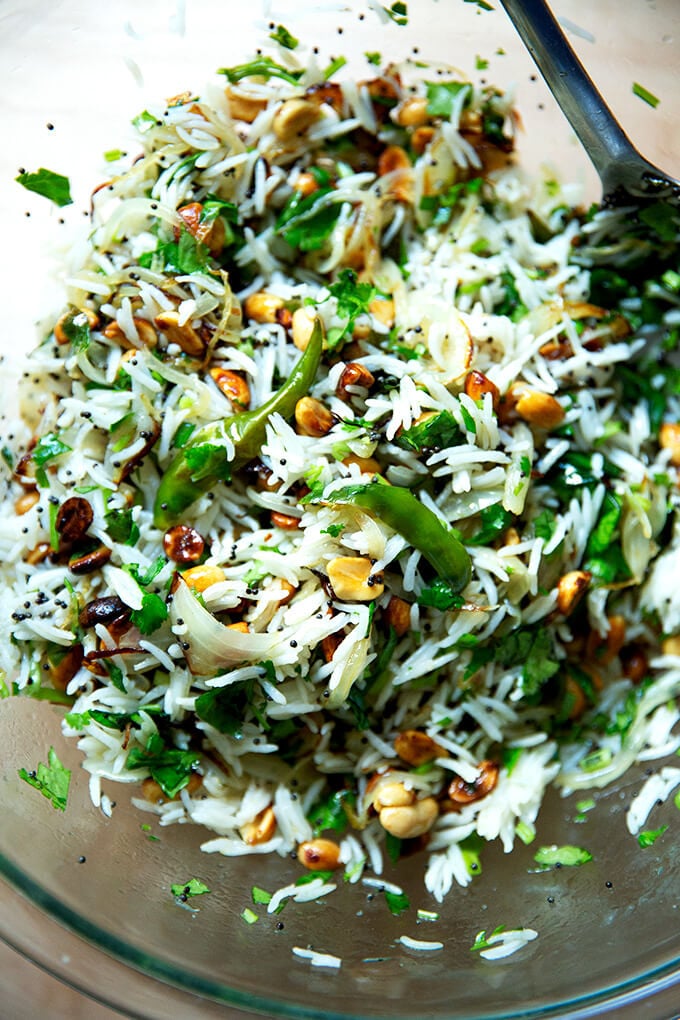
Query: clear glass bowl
[[108, 924]]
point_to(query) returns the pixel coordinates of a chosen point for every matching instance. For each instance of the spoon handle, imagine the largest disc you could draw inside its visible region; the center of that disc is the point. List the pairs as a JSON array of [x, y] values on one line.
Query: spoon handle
[[609, 148]]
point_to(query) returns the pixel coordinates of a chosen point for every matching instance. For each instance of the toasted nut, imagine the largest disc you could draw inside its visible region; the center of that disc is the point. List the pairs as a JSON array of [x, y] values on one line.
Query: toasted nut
[[398, 615], [287, 589], [61, 667], [90, 561], [319, 854], [183, 544], [262, 477], [571, 588], [367, 465], [669, 439], [353, 580], [312, 417], [74, 517], [390, 794], [421, 138], [540, 409], [305, 184], [511, 537], [394, 160], [671, 645], [241, 626], [210, 232], [409, 822], [260, 829], [635, 664], [329, 645], [574, 698], [200, 578], [37, 555], [556, 350], [242, 106], [461, 792], [262, 307], [61, 330], [383, 310], [616, 637], [302, 326], [233, 386], [328, 92], [415, 747], [25, 501], [284, 521], [384, 94], [145, 331], [353, 374], [104, 610], [152, 792], [477, 384], [293, 117], [185, 336], [412, 112]]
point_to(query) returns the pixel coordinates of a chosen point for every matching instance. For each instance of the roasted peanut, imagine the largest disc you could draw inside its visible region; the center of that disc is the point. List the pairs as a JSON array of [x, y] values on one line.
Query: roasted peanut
[[462, 792], [412, 112], [671, 645], [575, 699], [669, 439], [327, 92], [415, 747], [37, 555], [571, 588], [210, 232], [305, 184], [74, 517], [421, 138], [292, 119], [25, 501], [353, 374], [62, 665], [287, 522], [241, 626], [90, 561], [145, 331], [367, 465], [262, 307], [634, 663], [200, 578], [185, 336], [397, 614], [477, 384], [556, 350], [391, 793], [604, 649], [233, 386], [312, 417], [243, 106], [353, 580], [410, 821], [540, 409], [319, 854], [329, 645], [302, 326], [183, 544], [383, 310], [61, 330], [260, 829]]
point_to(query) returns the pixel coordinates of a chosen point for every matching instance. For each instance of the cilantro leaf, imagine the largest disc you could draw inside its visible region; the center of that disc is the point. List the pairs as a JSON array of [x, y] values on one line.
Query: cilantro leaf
[[436, 432], [186, 255], [306, 222], [393, 847], [482, 939], [603, 534], [650, 836], [153, 613], [223, 708], [398, 12], [47, 183], [170, 767], [194, 887], [330, 813], [283, 37], [373, 57], [440, 595], [352, 299], [207, 460], [495, 520], [441, 96], [76, 328], [398, 903], [121, 527], [52, 780], [565, 856]]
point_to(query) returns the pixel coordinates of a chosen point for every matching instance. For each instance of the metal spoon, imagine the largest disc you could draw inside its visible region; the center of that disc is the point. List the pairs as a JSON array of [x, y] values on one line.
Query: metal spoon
[[625, 174]]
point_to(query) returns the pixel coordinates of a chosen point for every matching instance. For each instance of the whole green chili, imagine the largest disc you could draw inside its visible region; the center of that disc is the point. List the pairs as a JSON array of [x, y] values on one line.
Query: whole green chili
[[421, 528], [204, 461]]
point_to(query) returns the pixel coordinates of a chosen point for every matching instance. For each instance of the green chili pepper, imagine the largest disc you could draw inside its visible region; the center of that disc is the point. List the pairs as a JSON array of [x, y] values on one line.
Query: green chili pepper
[[405, 514], [203, 460]]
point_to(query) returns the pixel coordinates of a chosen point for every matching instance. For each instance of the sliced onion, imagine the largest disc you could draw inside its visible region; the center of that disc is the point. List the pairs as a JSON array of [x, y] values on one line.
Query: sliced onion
[[347, 672], [212, 646]]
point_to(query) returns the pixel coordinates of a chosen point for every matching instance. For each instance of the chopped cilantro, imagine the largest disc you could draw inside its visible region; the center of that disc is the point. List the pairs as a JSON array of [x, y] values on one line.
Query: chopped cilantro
[[398, 903], [284, 38], [642, 93], [393, 847], [46, 449], [194, 887], [76, 328], [116, 674], [440, 595], [260, 896], [44, 182], [121, 526], [170, 767], [8, 457], [52, 780], [181, 436], [373, 57], [480, 63], [650, 836], [153, 613], [334, 66], [208, 460], [186, 255], [145, 577], [330, 813], [436, 432], [334, 530], [262, 67], [223, 708], [352, 299], [481, 938], [471, 848], [545, 524], [398, 12], [441, 96], [306, 221], [495, 520], [144, 121], [566, 856]]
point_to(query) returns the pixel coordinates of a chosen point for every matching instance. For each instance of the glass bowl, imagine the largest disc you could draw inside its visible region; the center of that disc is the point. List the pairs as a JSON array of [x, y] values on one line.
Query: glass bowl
[[88, 897]]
